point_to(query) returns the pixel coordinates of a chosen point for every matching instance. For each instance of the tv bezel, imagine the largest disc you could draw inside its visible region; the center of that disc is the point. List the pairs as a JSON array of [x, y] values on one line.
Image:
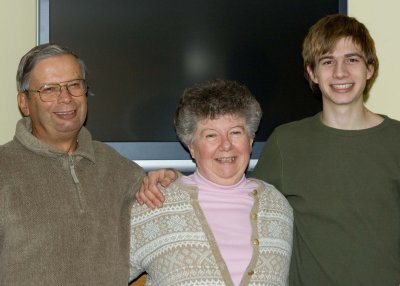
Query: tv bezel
[[150, 155]]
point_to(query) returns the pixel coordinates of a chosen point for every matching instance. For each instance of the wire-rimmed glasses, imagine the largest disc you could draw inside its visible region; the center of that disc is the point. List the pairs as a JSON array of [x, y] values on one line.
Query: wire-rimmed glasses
[[51, 91]]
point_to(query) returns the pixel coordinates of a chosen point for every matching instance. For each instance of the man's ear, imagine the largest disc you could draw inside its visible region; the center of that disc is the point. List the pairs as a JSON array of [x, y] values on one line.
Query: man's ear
[[311, 74], [370, 71], [23, 103]]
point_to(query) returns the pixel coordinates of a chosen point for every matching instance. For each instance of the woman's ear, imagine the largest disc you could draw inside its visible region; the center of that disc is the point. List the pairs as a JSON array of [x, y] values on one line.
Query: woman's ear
[[191, 150], [23, 103], [251, 145]]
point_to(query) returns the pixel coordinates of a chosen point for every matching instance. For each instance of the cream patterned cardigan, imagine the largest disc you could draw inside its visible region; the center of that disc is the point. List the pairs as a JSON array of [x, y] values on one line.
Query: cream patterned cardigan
[[175, 246]]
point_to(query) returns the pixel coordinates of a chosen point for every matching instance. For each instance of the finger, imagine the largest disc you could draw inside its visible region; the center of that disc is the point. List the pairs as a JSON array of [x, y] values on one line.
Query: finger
[[150, 194], [138, 195], [170, 175], [155, 195], [150, 204], [166, 181], [152, 179], [147, 199]]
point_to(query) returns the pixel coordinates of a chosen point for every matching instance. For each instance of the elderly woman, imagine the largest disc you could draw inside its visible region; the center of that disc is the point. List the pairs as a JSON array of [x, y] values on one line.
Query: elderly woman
[[216, 226]]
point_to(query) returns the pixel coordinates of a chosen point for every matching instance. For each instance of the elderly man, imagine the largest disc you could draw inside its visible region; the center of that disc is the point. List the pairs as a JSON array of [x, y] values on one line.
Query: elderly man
[[64, 199]]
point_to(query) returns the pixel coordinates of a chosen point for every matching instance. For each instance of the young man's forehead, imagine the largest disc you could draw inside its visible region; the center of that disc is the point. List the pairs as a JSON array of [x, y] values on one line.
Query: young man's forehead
[[329, 50]]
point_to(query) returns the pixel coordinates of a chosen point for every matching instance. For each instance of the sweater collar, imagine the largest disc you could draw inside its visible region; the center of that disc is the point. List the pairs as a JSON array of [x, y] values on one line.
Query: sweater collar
[[24, 136]]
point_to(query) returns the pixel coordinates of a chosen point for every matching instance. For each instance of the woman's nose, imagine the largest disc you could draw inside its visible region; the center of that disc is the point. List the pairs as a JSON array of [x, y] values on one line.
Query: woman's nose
[[226, 143]]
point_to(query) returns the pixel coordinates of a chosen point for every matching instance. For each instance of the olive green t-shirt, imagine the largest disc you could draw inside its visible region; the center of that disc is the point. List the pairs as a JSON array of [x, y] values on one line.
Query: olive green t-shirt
[[344, 187]]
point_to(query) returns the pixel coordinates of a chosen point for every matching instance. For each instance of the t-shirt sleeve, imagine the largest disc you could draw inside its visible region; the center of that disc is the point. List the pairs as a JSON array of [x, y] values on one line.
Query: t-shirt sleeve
[[269, 165]]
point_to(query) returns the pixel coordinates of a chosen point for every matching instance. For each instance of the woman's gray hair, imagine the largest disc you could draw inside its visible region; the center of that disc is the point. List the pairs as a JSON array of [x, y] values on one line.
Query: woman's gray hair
[[35, 55], [212, 99]]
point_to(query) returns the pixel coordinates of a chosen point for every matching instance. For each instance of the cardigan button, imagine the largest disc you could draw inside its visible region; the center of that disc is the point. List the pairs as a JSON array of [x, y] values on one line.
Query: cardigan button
[[254, 192], [254, 216], [256, 242], [250, 272]]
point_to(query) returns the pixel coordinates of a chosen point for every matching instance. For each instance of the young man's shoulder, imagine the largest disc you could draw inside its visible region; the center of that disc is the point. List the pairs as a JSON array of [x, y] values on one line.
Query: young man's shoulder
[[393, 122], [298, 127], [391, 129]]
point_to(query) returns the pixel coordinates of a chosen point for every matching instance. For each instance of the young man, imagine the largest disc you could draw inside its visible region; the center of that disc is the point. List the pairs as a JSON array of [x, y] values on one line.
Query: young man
[[64, 198], [340, 169]]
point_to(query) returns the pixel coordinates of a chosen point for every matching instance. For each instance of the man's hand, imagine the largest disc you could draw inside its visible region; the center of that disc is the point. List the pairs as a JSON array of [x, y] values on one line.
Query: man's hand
[[149, 193]]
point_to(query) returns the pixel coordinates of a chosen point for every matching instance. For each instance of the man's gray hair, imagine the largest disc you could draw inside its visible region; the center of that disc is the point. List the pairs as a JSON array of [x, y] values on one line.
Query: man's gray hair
[[36, 54]]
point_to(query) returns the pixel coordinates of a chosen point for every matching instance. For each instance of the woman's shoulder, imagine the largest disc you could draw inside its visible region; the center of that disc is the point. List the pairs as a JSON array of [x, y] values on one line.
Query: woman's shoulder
[[271, 198], [177, 197], [178, 190]]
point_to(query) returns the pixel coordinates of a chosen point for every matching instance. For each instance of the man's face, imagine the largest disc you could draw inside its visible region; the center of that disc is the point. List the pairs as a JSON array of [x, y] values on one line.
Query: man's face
[[342, 74], [60, 119]]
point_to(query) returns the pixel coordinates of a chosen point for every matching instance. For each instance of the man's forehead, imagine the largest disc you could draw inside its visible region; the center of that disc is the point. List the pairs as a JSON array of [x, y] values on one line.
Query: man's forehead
[[55, 69], [347, 47]]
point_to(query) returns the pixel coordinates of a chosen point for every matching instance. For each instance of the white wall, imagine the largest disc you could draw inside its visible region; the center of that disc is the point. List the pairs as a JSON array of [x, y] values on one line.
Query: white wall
[[18, 32], [18, 35], [383, 21]]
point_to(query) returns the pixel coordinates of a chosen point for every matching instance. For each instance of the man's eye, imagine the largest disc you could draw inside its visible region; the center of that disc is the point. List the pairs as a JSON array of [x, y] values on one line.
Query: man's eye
[[74, 85], [327, 62], [352, 60], [49, 89]]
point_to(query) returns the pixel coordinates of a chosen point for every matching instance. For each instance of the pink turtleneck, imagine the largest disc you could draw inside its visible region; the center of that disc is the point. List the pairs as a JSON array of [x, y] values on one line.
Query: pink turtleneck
[[227, 211]]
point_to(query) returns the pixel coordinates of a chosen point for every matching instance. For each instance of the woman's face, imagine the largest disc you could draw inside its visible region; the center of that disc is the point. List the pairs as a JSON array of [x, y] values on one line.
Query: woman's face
[[221, 148]]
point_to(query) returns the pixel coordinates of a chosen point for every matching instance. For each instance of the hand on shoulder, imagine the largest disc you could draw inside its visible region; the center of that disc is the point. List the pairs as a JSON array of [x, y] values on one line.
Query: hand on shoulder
[[149, 192]]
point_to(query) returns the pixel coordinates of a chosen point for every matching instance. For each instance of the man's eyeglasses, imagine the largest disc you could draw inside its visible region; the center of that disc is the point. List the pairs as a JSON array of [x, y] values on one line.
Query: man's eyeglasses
[[51, 92]]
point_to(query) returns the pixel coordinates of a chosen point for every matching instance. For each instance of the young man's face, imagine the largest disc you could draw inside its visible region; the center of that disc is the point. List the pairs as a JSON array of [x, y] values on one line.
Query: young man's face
[[342, 74]]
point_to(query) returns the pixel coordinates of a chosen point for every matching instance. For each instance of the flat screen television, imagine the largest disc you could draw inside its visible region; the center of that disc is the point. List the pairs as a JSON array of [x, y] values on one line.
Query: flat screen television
[[142, 54]]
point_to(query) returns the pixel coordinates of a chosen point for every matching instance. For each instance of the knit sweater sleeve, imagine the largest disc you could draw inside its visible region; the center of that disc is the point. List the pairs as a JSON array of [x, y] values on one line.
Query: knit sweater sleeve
[[276, 225], [135, 265]]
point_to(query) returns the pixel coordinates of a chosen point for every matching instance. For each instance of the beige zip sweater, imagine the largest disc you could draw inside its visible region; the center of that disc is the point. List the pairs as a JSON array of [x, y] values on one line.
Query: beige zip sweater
[[64, 219]]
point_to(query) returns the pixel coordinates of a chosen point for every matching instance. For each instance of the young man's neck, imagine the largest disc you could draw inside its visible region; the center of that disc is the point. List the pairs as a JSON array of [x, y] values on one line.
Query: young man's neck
[[347, 118]]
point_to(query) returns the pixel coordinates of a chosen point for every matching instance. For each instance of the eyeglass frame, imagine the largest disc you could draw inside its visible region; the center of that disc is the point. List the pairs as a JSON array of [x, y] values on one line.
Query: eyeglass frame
[[65, 84]]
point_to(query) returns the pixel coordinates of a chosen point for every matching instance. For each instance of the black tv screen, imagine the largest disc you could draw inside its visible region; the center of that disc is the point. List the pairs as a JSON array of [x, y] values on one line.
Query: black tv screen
[[142, 54]]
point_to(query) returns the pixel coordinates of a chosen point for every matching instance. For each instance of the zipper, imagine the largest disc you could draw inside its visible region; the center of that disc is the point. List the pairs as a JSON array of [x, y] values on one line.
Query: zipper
[[78, 189]]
